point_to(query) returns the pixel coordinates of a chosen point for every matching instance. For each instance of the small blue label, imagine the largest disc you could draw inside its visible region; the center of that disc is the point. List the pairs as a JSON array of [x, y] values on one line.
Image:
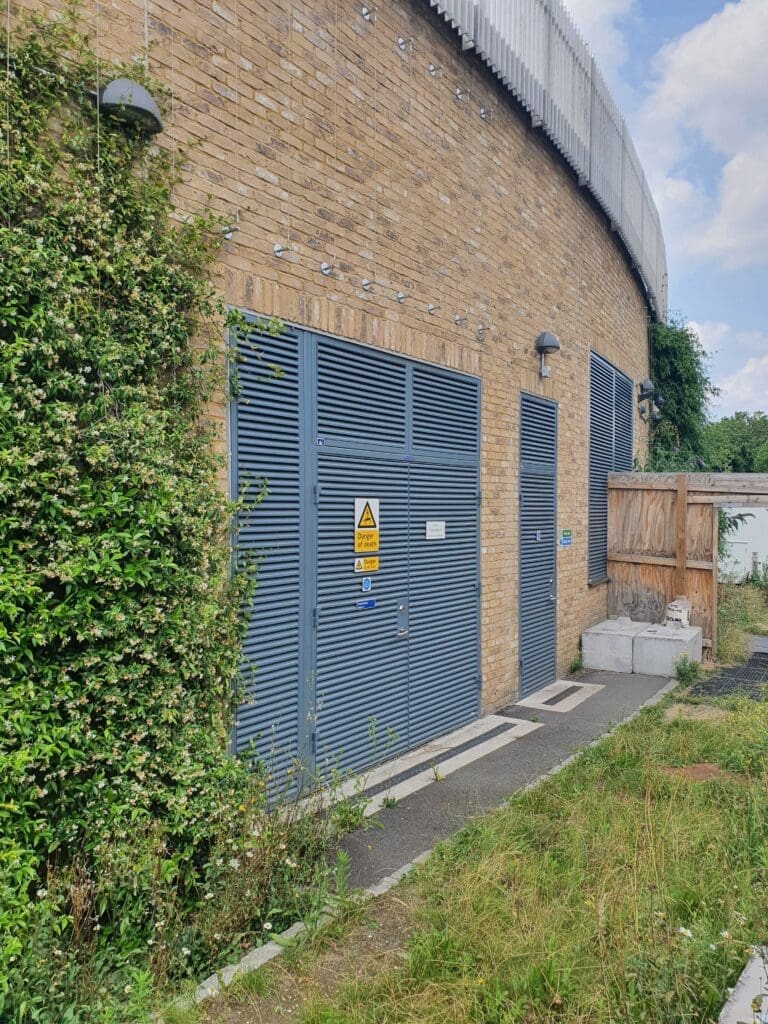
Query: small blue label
[[367, 584], [566, 542], [369, 603], [320, 442]]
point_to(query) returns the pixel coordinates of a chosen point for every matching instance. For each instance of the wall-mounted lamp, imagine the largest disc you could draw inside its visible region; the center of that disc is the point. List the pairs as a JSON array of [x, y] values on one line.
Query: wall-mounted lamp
[[649, 401], [130, 103], [547, 343]]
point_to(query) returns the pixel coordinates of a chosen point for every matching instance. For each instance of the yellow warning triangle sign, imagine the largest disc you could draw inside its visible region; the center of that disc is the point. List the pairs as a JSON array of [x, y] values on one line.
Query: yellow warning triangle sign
[[367, 520]]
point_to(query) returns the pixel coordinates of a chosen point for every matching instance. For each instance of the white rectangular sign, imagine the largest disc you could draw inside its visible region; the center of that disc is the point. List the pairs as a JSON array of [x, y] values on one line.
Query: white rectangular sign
[[435, 529]]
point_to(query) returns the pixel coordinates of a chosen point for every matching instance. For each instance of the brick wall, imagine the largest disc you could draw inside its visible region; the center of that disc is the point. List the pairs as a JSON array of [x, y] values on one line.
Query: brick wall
[[320, 133]]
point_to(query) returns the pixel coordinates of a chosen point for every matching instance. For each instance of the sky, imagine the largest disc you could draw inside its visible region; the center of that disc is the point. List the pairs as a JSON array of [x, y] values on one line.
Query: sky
[[691, 78]]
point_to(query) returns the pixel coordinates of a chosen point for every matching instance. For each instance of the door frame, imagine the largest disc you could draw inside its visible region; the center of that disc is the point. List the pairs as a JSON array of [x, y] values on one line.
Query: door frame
[[307, 339]]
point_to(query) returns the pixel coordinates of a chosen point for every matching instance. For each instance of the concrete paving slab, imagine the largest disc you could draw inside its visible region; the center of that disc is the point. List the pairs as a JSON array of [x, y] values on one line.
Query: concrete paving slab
[[561, 696], [436, 811]]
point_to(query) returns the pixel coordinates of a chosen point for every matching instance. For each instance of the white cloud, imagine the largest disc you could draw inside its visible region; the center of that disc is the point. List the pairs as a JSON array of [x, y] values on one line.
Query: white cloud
[[711, 90], [711, 333], [600, 22], [738, 232], [747, 389]]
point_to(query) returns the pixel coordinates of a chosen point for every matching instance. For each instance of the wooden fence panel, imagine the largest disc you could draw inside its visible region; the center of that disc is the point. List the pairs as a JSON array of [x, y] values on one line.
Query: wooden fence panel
[[662, 540]]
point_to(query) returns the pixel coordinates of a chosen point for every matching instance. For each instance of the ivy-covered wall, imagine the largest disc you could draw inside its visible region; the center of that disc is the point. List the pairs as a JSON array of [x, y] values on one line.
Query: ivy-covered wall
[[128, 841]]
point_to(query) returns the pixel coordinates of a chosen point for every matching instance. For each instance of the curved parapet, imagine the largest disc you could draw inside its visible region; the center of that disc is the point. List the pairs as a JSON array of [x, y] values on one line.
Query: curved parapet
[[535, 49]]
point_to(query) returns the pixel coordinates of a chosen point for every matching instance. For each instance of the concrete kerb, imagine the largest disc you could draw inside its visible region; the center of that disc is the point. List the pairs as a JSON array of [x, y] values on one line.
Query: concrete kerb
[[748, 1001], [262, 955]]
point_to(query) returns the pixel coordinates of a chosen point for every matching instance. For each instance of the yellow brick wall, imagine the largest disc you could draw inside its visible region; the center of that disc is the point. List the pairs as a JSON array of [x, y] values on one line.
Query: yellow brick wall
[[312, 128]]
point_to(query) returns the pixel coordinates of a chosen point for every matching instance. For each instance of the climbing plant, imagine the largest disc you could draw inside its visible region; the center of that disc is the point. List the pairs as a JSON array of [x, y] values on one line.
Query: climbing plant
[[121, 811], [679, 371]]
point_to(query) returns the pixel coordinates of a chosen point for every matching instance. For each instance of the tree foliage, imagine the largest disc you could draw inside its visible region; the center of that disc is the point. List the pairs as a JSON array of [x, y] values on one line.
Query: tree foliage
[[738, 443], [680, 373]]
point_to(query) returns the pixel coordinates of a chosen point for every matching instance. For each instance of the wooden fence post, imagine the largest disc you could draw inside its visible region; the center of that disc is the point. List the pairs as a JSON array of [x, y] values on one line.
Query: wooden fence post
[[681, 535]]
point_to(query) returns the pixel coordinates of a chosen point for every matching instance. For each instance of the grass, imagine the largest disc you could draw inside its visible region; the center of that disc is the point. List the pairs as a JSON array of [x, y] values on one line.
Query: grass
[[178, 1013], [576, 664], [741, 609], [686, 670], [618, 891], [251, 983]]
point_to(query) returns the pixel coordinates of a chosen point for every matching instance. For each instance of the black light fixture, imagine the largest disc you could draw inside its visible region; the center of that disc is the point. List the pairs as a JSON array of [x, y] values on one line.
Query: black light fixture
[[649, 401], [128, 102], [546, 344]]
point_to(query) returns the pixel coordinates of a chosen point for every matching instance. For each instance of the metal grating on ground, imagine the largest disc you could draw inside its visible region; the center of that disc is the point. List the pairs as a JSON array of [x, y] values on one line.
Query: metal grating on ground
[[747, 680]]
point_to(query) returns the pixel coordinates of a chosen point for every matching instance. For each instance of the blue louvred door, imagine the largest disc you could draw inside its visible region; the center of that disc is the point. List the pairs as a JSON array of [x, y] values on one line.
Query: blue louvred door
[[368, 663], [538, 581], [361, 681]]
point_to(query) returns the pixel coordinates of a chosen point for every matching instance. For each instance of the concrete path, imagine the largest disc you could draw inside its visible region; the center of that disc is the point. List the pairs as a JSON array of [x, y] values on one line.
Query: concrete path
[[437, 810]]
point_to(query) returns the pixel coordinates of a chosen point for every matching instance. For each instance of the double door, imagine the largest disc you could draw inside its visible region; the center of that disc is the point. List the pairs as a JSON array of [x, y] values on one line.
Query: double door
[[348, 662]]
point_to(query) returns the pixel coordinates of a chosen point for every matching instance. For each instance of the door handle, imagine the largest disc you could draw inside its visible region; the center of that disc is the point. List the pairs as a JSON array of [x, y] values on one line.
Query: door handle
[[403, 632]]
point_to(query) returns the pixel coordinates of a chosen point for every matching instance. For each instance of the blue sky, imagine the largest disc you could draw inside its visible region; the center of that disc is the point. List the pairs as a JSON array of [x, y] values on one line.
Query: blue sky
[[691, 77]]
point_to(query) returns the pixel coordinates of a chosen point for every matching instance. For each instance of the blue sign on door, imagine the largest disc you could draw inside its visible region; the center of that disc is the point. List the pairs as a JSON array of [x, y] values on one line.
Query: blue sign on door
[[369, 603]]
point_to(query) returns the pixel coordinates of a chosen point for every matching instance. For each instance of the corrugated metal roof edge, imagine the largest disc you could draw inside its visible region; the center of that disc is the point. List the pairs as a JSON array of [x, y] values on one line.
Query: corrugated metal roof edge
[[462, 16]]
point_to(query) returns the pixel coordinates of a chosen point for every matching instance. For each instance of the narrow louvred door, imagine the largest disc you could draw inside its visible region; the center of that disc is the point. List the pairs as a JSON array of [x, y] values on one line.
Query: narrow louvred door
[[601, 456], [538, 593]]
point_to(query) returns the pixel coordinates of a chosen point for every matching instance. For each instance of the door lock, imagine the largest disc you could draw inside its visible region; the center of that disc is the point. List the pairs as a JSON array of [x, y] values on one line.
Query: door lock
[[402, 620]]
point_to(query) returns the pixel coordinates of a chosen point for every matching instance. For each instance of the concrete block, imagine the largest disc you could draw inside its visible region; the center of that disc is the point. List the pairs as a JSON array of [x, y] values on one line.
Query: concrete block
[[658, 648], [607, 646]]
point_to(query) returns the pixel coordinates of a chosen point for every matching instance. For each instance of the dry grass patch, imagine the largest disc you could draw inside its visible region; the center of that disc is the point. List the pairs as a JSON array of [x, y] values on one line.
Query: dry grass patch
[[694, 713]]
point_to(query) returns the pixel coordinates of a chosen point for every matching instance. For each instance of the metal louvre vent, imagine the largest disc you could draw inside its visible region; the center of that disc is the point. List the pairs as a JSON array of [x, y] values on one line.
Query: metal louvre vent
[[267, 454], [611, 395], [361, 396], [445, 413]]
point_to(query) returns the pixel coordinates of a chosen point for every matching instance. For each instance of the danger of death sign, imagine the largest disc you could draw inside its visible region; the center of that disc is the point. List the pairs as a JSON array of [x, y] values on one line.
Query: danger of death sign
[[367, 525]]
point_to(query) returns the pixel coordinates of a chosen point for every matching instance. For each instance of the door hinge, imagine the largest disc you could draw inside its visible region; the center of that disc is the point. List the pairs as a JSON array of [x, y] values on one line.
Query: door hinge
[[313, 743], [316, 494], [316, 611], [479, 497]]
